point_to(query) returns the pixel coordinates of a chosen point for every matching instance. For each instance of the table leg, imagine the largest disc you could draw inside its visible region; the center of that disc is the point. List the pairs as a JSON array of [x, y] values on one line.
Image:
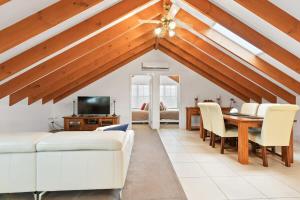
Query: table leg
[[243, 150], [291, 147]]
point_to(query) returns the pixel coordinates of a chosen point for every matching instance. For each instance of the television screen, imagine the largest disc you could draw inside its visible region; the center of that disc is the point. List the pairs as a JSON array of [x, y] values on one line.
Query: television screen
[[93, 105]]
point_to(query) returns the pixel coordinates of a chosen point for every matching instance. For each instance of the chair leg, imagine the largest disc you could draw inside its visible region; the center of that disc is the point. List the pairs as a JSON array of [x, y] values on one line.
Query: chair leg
[[253, 147], [204, 135], [211, 138], [222, 144], [264, 156], [287, 157], [273, 150], [213, 143]]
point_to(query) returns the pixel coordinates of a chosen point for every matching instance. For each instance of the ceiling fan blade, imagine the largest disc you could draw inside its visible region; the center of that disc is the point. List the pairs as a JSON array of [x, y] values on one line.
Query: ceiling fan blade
[[149, 21]]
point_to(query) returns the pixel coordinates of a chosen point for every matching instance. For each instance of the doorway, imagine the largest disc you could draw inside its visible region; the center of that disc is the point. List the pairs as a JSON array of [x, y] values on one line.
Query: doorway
[[141, 99], [169, 101]]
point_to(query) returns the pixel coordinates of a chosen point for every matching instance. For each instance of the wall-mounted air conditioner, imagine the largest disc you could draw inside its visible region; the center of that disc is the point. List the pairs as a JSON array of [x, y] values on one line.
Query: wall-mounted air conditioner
[[157, 66]]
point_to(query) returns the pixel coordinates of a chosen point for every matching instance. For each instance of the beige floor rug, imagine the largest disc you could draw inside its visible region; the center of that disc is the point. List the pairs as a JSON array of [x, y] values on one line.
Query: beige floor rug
[[150, 175]]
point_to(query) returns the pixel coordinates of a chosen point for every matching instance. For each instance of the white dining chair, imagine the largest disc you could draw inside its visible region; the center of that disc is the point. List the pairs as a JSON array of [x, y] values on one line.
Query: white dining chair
[[276, 130], [249, 108], [262, 109], [218, 126], [205, 119]]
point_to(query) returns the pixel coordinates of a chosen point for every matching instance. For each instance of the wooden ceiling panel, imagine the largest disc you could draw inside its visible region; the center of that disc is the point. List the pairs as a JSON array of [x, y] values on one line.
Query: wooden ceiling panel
[[77, 51], [195, 68], [89, 61], [41, 21], [218, 66], [204, 67], [240, 52], [100, 72], [274, 15], [3, 2], [247, 33], [235, 65], [67, 37]]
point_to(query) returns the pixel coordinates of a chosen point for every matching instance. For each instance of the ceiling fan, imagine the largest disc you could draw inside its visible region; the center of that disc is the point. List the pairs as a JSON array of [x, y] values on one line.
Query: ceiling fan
[[166, 25]]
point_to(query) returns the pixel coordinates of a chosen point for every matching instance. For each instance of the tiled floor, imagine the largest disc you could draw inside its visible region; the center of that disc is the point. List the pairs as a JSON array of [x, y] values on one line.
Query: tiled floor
[[205, 174]]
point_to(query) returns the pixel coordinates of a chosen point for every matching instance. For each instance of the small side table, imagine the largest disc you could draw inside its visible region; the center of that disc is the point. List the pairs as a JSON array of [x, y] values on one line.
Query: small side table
[[190, 112]]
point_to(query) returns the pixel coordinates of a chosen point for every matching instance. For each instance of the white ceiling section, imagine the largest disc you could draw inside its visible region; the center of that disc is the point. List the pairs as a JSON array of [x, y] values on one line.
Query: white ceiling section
[[16, 10], [54, 30], [64, 26], [266, 29], [258, 24], [292, 7]]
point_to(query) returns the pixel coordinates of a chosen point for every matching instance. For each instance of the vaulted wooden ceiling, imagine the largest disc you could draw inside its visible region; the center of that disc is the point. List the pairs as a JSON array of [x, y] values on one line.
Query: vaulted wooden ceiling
[[198, 47]]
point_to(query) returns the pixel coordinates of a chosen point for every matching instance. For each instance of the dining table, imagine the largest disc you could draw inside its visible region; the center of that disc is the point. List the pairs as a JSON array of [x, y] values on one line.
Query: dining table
[[243, 123]]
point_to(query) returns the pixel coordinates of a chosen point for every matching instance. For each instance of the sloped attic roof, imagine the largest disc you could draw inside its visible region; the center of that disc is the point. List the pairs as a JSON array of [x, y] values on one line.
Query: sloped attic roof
[[53, 48]]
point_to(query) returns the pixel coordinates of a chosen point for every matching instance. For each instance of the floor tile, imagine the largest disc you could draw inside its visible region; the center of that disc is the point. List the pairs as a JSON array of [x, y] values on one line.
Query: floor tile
[[188, 170], [217, 169], [181, 157], [201, 188], [272, 187], [237, 188]]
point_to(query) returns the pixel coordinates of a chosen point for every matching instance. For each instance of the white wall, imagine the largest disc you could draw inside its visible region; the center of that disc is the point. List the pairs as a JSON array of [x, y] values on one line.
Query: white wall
[[117, 85]]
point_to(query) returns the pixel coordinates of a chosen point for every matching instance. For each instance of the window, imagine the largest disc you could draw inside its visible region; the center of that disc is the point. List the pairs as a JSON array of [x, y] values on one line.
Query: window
[[140, 95], [168, 95], [237, 39]]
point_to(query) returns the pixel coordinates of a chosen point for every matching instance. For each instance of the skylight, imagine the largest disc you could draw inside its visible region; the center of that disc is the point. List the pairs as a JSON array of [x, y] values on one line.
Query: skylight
[[237, 39]]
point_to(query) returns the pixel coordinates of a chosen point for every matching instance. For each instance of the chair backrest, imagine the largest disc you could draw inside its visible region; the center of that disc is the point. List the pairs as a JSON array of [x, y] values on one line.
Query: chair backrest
[[278, 124], [262, 109], [205, 116], [218, 125], [249, 108]]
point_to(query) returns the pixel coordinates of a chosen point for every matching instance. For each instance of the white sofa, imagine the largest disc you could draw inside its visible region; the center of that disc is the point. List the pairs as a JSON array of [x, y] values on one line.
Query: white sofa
[[18, 161], [64, 161], [83, 161]]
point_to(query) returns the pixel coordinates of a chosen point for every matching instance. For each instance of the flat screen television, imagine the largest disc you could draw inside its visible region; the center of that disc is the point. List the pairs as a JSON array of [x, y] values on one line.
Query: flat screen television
[[97, 105]]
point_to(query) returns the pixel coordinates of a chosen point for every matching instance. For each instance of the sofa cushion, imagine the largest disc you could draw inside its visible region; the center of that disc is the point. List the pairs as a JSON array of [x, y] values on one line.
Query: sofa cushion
[[120, 127], [83, 140], [22, 142]]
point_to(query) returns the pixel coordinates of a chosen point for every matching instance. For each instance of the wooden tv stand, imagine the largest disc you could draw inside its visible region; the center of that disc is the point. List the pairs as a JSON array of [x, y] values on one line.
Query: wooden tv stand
[[88, 123]]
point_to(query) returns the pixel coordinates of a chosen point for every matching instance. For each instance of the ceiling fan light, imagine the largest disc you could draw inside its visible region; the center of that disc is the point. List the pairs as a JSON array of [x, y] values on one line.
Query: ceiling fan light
[[157, 31], [171, 33], [172, 25]]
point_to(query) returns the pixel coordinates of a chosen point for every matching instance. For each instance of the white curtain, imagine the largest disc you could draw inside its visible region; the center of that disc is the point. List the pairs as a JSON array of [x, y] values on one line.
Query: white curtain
[[168, 95], [140, 95]]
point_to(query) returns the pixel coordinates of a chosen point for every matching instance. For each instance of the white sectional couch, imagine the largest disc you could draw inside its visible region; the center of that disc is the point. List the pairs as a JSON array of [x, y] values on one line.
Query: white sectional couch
[[64, 161], [18, 161]]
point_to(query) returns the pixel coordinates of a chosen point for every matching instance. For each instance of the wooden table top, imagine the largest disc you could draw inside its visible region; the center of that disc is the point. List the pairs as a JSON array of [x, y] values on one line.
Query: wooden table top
[[243, 118]]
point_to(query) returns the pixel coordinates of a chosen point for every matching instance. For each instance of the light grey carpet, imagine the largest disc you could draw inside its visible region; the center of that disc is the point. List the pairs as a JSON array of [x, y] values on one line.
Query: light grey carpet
[[150, 175]]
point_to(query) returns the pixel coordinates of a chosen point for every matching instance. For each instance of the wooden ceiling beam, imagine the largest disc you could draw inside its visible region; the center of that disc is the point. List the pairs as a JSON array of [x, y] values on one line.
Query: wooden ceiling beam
[[268, 46], [78, 51], [3, 2], [274, 15], [240, 52], [100, 72], [236, 65], [68, 37], [180, 58], [114, 48], [120, 46], [42, 21], [204, 67], [226, 71]]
